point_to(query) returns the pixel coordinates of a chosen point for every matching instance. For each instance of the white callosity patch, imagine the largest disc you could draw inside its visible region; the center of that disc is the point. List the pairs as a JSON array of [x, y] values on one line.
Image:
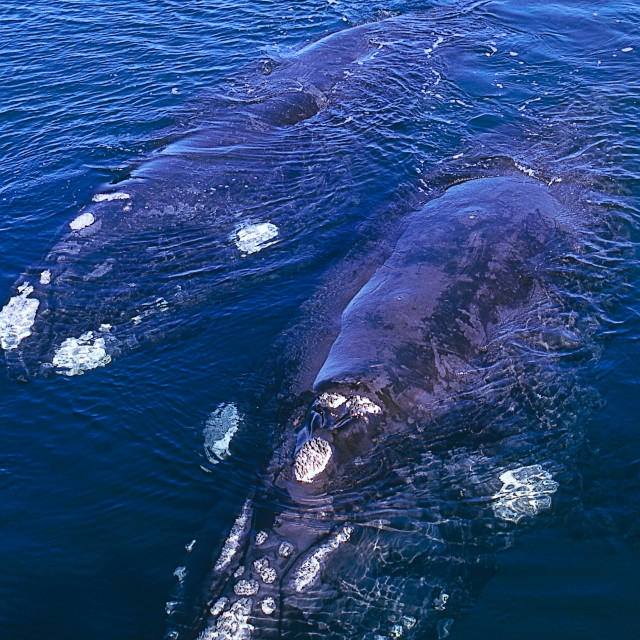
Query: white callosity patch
[[268, 606], [77, 355], [309, 570], [360, 406], [219, 430], [82, 221], [246, 588], [236, 536], [17, 317], [525, 492], [312, 459], [232, 624], [219, 606], [357, 405], [286, 549], [251, 238], [331, 400], [261, 538], [105, 197], [45, 277], [267, 573]]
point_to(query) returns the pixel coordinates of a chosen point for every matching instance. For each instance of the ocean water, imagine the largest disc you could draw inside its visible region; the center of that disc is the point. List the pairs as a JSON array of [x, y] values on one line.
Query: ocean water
[[256, 217]]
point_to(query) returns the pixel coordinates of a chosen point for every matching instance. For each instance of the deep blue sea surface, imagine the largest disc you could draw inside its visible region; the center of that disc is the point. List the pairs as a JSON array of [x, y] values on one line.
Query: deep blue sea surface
[[109, 466]]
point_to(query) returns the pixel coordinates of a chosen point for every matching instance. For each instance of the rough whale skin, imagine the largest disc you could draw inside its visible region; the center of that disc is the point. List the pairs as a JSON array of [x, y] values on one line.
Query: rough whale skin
[[162, 239], [431, 440]]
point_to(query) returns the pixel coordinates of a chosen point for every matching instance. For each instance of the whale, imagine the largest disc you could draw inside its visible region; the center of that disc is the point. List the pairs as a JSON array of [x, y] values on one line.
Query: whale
[[429, 439], [171, 233]]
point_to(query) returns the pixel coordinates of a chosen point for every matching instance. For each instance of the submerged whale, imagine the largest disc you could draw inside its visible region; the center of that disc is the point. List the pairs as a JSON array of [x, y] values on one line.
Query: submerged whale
[[182, 217], [432, 436]]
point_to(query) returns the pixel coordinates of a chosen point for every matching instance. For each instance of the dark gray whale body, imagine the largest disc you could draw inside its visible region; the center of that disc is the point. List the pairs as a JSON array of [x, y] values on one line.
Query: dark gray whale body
[[179, 216], [426, 443]]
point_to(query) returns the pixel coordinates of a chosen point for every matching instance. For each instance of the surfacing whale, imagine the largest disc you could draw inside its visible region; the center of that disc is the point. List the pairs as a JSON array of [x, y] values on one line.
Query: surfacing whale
[[168, 236], [432, 437]]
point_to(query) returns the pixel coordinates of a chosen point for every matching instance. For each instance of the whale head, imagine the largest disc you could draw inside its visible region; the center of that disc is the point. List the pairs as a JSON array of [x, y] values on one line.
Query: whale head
[[337, 429]]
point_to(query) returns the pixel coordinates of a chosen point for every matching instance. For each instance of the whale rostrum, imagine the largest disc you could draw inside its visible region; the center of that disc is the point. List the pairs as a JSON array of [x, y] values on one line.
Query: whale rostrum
[[431, 439]]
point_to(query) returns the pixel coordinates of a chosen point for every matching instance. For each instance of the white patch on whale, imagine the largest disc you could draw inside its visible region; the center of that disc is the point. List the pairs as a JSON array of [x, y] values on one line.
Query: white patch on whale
[[268, 606], [312, 459], [83, 221], [357, 405], [251, 238], [219, 606], [360, 405], [236, 536], [77, 355], [308, 571], [266, 572], [106, 197], [45, 277], [17, 317], [331, 400], [221, 426], [246, 588], [525, 492], [232, 624], [261, 538]]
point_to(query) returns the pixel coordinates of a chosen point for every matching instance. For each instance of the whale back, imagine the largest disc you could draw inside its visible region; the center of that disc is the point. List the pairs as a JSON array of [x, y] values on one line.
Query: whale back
[[465, 263]]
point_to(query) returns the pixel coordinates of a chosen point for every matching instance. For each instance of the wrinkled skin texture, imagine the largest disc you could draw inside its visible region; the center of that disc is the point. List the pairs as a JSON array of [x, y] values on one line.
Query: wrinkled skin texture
[[389, 498]]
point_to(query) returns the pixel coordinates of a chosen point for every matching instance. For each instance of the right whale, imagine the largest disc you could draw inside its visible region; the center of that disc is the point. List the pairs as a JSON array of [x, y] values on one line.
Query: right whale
[[433, 434]]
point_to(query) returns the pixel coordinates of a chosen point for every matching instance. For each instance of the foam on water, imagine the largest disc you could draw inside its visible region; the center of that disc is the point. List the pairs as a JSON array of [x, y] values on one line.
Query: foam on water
[[221, 426], [525, 492], [17, 317], [77, 355], [252, 238]]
